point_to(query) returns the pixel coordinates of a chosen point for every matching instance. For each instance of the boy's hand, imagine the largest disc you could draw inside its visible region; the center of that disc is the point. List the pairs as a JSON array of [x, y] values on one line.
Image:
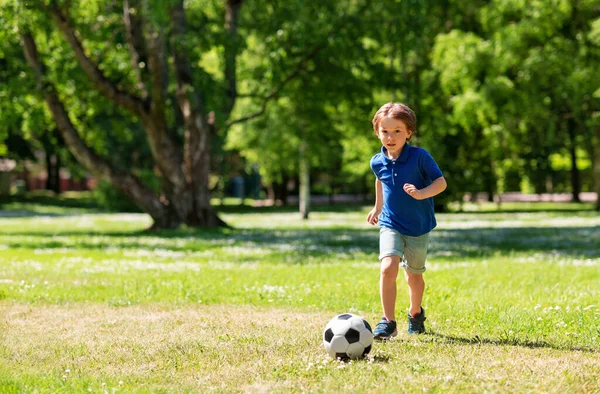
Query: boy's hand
[[373, 216], [413, 191]]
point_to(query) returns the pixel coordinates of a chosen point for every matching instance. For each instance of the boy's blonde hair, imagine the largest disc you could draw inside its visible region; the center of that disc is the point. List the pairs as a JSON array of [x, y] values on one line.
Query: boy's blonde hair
[[396, 111]]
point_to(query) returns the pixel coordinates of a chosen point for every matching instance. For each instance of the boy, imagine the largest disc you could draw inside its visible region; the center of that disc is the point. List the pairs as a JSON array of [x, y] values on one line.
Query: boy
[[407, 179]]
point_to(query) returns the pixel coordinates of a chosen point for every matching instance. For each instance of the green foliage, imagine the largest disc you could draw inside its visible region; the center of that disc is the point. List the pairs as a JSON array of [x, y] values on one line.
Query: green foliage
[[495, 84], [318, 107], [516, 81]]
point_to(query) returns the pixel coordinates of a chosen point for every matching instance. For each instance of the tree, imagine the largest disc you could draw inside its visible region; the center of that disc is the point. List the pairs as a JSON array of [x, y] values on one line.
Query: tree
[[297, 133], [171, 67], [180, 148], [525, 79]]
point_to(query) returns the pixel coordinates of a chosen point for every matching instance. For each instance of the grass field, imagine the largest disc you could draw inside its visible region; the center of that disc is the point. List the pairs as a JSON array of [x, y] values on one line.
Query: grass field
[[91, 302]]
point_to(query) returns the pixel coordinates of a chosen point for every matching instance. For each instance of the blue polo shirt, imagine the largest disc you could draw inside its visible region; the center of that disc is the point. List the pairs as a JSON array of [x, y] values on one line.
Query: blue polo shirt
[[400, 211]]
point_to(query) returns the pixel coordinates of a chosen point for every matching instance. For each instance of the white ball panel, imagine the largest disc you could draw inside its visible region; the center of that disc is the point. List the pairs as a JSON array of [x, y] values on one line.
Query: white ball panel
[[339, 344], [329, 349], [355, 350], [340, 327], [366, 338], [330, 323], [357, 323]]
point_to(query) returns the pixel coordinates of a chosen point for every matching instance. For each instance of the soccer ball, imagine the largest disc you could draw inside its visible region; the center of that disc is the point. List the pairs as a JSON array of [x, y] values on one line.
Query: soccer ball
[[347, 336]]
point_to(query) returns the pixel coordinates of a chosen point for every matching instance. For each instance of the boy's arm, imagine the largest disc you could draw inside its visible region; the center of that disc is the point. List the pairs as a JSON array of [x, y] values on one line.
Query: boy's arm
[[378, 194], [436, 187], [373, 216]]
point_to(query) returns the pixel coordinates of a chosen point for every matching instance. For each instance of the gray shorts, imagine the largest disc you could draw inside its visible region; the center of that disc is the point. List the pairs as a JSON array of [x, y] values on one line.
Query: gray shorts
[[412, 250]]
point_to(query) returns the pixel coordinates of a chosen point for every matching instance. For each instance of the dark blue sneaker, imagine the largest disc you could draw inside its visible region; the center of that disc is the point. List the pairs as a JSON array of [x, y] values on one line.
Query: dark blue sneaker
[[416, 324], [385, 329]]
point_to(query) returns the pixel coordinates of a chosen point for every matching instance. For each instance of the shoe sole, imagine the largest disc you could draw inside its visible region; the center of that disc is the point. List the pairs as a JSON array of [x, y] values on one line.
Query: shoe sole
[[382, 338]]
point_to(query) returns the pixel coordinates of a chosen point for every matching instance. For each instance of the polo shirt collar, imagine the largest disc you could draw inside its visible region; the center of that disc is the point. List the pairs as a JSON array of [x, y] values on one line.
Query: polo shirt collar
[[401, 159]]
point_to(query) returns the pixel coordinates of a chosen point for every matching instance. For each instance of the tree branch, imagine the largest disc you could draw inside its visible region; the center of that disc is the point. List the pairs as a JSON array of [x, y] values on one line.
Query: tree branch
[[232, 10], [124, 181], [183, 69], [158, 74], [196, 150], [135, 40], [128, 101], [274, 93]]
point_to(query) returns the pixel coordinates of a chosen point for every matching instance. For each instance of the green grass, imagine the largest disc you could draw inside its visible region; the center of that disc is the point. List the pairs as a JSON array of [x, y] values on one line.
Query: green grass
[[89, 301]]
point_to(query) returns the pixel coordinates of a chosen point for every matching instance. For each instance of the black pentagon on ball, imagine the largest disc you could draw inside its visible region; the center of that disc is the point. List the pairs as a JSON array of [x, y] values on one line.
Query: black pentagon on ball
[[367, 350], [367, 325], [328, 336], [352, 336], [345, 316]]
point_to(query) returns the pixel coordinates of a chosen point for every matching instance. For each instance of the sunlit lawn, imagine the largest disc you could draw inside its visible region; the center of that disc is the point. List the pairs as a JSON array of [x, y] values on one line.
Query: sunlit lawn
[[89, 301]]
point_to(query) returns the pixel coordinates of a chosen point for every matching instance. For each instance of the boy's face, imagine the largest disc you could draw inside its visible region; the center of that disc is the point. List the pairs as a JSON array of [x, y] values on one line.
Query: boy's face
[[393, 134]]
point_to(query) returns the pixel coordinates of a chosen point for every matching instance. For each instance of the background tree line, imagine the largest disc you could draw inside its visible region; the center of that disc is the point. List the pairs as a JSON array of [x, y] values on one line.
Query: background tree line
[[153, 96]]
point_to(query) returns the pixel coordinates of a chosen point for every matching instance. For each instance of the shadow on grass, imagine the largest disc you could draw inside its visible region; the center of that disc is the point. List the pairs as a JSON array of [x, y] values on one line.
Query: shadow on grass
[[447, 244], [24, 213], [378, 359], [50, 199], [532, 344], [381, 359]]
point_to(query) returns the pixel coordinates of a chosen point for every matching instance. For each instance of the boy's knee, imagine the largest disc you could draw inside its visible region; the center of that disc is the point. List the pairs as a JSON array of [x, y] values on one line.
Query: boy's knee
[[389, 271], [411, 277], [389, 266]]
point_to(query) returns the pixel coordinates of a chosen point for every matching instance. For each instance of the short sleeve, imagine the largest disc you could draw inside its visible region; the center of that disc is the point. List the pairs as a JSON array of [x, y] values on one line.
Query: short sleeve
[[374, 166], [430, 167]]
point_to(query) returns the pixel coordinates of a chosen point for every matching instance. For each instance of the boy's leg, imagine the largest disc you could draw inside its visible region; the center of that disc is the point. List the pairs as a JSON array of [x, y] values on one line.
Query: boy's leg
[[415, 255], [387, 286], [390, 250], [416, 287]]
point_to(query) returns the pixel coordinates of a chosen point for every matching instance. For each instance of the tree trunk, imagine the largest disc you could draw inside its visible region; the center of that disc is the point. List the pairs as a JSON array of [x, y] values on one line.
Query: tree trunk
[[575, 174], [304, 196], [197, 210], [142, 196], [185, 172], [490, 183], [271, 193], [52, 172], [280, 189]]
